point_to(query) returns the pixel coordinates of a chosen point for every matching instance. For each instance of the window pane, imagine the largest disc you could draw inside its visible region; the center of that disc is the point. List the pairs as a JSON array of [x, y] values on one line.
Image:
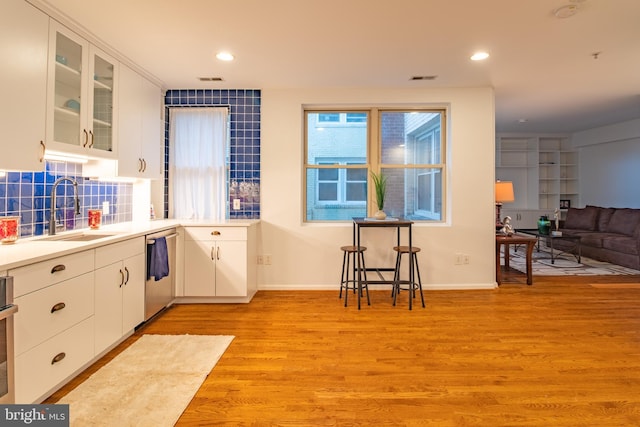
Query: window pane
[[356, 174], [356, 117], [327, 192], [330, 201], [356, 192], [329, 117], [328, 174], [340, 140], [410, 137], [420, 197]]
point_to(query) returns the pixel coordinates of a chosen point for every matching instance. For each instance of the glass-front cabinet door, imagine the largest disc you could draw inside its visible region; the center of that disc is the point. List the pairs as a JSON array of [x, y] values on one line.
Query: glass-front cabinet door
[[68, 90], [102, 87], [80, 96]]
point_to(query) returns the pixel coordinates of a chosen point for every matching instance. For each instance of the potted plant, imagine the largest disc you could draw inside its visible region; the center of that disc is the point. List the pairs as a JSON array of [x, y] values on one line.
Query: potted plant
[[380, 184]]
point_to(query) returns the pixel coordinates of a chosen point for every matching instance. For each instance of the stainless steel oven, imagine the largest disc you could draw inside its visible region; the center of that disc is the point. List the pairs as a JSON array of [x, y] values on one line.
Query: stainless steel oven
[[7, 310]]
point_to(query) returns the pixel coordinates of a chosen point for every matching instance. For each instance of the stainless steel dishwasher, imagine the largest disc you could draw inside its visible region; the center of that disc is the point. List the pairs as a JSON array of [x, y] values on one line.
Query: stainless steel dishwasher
[[160, 293]]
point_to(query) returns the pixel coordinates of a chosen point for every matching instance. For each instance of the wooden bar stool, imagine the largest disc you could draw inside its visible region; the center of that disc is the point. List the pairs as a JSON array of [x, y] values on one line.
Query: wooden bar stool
[[349, 254], [412, 284]]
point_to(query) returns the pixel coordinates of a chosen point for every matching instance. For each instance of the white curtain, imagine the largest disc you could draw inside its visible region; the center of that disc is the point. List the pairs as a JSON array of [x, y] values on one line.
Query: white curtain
[[197, 165]]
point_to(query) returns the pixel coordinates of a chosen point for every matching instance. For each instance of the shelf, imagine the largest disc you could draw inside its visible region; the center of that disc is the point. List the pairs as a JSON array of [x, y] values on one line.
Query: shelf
[[67, 75], [101, 123], [98, 84]]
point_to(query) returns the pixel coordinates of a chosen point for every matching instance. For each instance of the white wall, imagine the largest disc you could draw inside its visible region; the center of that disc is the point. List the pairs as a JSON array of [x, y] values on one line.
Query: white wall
[[610, 165], [307, 256]]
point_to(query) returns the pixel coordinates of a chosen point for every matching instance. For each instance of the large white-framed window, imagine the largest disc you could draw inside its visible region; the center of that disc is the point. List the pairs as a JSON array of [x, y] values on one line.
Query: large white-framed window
[[342, 148]]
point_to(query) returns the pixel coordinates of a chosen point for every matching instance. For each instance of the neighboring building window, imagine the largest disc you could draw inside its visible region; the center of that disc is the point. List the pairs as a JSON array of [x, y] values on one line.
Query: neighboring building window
[[408, 148]]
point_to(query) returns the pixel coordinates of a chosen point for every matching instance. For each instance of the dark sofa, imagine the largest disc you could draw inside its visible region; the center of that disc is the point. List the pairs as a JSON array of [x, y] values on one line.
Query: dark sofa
[[607, 234]]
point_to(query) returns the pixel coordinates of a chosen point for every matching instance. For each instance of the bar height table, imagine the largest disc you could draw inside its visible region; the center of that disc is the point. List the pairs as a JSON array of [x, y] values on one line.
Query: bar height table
[[398, 223]]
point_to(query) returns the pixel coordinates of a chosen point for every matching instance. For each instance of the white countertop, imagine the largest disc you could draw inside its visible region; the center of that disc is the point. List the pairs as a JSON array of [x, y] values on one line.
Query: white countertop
[[35, 249]]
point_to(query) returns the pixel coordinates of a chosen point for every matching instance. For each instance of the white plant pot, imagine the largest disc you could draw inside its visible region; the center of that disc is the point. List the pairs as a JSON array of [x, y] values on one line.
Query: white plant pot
[[380, 215]]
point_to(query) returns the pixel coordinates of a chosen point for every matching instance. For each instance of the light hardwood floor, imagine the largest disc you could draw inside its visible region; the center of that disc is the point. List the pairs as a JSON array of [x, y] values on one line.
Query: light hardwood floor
[[558, 353]]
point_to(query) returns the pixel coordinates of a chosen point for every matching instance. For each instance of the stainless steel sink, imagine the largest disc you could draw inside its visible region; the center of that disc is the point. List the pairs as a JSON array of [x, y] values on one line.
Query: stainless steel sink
[[76, 237]]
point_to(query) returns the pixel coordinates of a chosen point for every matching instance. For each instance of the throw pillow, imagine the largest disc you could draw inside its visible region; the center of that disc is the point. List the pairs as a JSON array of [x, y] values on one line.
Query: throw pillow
[[624, 221], [582, 218]]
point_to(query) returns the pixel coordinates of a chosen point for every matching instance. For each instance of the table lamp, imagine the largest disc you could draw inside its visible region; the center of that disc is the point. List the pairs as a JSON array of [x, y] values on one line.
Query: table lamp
[[504, 193]]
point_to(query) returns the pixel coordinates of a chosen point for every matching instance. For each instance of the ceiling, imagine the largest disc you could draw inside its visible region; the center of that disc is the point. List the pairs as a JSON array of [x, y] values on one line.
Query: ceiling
[[543, 68]]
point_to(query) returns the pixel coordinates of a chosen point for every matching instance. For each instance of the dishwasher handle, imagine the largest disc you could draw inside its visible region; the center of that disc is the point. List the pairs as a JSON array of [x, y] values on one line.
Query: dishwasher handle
[[170, 236]]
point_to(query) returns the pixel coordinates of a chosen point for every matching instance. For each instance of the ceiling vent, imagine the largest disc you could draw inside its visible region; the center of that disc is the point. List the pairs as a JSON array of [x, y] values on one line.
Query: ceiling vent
[[423, 77], [210, 79]]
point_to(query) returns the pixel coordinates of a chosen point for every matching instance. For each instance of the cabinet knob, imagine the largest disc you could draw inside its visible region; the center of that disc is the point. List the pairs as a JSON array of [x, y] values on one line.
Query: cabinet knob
[[59, 306], [58, 357], [215, 233], [58, 268]]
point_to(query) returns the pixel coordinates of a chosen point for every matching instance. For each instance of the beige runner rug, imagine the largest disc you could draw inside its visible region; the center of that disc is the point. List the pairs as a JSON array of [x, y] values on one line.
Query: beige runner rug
[[149, 384]]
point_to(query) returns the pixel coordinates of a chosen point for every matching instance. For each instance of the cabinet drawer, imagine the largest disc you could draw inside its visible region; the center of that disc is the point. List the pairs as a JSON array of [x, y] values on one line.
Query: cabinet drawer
[[106, 255], [51, 310], [215, 233], [40, 275], [35, 374]]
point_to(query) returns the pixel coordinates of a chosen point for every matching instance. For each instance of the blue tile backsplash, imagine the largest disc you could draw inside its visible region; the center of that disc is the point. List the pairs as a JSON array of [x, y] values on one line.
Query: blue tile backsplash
[[27, 195], [244, 179]]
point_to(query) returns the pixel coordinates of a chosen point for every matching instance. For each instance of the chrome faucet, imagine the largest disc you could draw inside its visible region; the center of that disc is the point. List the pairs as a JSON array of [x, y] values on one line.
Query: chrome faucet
[[52, 216]]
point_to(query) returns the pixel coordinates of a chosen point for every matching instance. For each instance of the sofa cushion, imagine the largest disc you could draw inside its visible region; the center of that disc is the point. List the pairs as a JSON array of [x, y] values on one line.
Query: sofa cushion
[[604, 216], [624, 221], [626, 245], [582, 218]]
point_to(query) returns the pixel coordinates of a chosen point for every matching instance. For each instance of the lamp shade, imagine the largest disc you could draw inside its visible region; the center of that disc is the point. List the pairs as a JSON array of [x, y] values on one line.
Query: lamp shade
[[504, 191]]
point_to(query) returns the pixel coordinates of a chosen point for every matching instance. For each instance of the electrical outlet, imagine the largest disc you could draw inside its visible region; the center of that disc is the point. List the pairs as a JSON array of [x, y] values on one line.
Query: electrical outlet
[[236, 204], [267, 260], [260, 260], [458, 259], [105, 207], [465, 259]]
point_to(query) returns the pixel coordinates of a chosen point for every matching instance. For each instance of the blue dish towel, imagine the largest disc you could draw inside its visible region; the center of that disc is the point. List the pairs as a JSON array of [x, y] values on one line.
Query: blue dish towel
[[158, 265]]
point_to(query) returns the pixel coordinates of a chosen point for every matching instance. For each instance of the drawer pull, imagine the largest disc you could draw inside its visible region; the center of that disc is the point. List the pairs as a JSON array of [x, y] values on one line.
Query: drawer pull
[[121, 278], [58, 357], [215, 233], [59, 306], [57, 268], [126, 269]]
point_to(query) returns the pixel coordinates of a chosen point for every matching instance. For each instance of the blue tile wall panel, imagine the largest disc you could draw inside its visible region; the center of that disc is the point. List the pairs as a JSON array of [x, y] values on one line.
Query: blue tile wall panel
[[244, 105], [27, 195]]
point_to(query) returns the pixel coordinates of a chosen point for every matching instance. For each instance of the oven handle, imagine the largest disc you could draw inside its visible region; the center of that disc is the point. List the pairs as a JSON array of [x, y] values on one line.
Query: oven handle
[[8, 311], [152, 241]]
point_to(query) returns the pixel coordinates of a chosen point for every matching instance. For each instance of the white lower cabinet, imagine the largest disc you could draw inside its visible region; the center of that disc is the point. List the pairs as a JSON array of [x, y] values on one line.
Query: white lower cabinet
[[54, 323], [45, 366], [219, 262], [119, 291]]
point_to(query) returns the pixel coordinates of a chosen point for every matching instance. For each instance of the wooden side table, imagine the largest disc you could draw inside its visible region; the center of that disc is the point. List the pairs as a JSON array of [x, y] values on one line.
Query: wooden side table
[[514, 239]]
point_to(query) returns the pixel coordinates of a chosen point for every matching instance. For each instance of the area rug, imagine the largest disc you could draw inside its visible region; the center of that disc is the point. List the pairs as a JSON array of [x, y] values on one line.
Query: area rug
[[565, 265], [148, 384]]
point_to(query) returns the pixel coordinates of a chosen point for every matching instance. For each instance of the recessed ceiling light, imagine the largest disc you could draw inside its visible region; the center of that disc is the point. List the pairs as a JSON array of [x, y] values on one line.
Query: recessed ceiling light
[[224, 56], [566, 11], [523, 120], [479, 56]]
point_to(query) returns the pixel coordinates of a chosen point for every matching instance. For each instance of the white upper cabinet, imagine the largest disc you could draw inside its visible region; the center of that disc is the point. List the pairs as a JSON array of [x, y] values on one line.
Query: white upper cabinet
[[139, 128], [24, 35], [81, 96]]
